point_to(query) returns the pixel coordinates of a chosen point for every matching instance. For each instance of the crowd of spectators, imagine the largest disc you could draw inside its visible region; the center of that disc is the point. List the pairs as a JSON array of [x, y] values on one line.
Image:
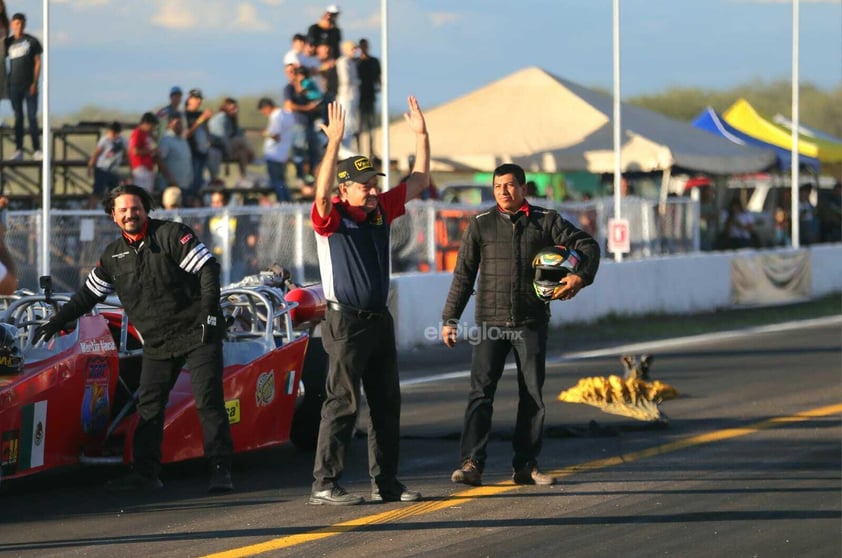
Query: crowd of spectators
[[184, 143]]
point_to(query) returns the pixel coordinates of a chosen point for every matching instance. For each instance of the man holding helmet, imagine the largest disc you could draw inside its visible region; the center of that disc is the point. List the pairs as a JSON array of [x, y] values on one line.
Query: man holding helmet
[[512, 312]]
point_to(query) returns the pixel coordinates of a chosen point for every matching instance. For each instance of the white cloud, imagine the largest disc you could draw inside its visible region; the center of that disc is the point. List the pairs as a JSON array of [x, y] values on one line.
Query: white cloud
[[175, 15], [440, 19], [248, 19]]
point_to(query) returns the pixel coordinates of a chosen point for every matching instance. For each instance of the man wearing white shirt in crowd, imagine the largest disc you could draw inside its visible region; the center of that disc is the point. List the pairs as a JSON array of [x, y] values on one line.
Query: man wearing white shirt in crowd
[[298, 55], [277, 141]]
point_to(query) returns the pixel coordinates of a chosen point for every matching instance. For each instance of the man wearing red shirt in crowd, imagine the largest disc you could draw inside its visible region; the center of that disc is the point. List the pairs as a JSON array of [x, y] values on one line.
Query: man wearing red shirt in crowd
[[142, 153]]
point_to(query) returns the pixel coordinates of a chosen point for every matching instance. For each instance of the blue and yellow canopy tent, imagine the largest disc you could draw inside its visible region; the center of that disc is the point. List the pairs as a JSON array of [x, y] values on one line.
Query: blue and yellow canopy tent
[[742, 116], [711, 121]]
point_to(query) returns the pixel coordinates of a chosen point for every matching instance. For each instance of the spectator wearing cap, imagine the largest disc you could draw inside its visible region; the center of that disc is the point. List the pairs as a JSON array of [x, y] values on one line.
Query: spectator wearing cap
[[24, 53], [352, 237], [277, 142], [143, 153], [198, 137], [326, 31], [172, 109]]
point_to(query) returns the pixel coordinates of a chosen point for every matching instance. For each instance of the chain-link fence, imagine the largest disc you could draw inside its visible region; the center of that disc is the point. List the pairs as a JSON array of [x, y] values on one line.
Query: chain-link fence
[[247, 239]]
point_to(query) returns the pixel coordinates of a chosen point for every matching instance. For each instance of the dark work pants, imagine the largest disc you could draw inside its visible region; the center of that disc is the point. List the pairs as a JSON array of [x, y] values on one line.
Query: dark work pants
[[157, 378], [360, 351], [489, 358], [17, 95]]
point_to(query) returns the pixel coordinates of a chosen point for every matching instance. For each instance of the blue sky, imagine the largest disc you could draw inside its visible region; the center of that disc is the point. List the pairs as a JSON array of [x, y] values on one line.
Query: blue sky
[[126, 54]]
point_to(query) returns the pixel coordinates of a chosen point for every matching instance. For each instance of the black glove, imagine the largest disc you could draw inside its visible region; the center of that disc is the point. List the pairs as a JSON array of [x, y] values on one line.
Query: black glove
[[46, 331]]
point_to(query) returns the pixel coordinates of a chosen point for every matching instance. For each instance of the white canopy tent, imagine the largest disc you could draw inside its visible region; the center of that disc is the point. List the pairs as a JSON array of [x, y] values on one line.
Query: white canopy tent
[[549, 124]]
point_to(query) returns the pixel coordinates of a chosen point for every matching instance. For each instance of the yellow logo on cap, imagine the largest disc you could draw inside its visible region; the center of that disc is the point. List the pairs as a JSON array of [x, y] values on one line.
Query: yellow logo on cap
[[362, 164], [343, 175]]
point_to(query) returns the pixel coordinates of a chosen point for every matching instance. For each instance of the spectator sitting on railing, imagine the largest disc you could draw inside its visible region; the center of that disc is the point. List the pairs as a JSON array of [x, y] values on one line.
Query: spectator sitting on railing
[[105, 163], [228, 141]]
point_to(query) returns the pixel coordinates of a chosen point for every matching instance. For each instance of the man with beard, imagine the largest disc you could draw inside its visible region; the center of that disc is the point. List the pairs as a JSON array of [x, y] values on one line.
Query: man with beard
[[168, 283]]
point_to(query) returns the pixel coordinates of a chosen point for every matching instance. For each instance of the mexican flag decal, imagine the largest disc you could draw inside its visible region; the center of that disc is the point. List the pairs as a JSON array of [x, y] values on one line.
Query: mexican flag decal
[[290, 382], [33, 435]]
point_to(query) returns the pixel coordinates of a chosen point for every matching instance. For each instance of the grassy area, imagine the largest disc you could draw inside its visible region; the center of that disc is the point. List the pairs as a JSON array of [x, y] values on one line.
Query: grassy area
[[646, 328]]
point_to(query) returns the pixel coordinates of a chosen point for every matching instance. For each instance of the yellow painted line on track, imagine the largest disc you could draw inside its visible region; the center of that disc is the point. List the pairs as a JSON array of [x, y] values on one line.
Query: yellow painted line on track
[[464, 496]]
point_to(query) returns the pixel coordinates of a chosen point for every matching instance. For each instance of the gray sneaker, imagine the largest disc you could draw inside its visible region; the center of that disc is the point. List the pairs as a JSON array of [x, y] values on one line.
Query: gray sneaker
[[336, 496], [469, 473], [530, 474], [396, 493]]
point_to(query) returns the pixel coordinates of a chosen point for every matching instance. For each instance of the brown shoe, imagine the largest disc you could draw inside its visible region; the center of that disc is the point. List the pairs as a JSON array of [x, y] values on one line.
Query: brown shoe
[[530, 474], [468, 474]]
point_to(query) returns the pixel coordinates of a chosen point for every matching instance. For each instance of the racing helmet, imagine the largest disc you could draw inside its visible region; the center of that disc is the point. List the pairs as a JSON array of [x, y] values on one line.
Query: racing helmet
[[11, 356], [551, 265]]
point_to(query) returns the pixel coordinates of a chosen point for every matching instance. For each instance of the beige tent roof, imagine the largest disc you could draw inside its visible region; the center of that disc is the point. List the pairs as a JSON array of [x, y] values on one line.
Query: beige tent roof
[[549, 124]]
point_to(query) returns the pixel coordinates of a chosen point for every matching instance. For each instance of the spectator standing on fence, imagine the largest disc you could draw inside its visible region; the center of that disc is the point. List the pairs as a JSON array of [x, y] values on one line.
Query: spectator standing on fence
[[8, 268], [277, 143], [142, 152], [24, 52], [326, 31], [298, 54], [175, 163], [368, 71], [105, 162], [228, 139], [352, 236], [348, 90], [198, 137], [306, 147]]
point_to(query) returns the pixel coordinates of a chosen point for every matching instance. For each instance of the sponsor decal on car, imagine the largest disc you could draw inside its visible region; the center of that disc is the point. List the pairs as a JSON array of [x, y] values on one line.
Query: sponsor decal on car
[[264, 392], [33, 435], [97, 346], [232, 408], [9, 451]]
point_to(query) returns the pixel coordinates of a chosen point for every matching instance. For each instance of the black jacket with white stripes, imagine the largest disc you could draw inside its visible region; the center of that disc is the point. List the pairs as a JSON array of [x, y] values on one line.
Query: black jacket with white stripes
[[168, 283]]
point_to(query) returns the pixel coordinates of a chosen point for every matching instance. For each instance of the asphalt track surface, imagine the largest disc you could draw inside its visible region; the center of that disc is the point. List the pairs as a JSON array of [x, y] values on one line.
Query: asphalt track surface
[[748, 465]]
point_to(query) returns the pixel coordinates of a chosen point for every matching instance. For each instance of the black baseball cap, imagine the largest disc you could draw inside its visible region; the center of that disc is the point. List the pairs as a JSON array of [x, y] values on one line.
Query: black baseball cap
[[356, 169]]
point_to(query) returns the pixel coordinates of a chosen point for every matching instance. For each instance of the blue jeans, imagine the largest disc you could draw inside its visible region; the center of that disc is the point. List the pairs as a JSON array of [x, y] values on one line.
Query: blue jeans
[[306, 149], [200, 163], [17, 94], [277, 179]]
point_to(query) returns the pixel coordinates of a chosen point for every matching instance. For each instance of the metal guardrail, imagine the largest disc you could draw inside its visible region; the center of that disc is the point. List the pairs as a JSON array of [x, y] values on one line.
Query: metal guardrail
[[248, 239]]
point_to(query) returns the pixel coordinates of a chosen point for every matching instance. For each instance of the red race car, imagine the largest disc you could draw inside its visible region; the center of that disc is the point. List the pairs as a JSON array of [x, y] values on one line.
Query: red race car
[[71, 401]]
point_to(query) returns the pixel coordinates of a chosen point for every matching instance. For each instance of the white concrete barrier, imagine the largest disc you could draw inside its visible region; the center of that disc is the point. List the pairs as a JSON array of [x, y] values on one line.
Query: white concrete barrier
[[683, 284]]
